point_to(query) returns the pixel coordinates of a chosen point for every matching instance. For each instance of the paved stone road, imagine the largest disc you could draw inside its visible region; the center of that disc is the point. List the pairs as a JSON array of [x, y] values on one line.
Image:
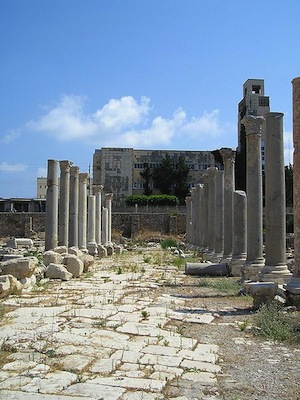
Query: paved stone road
[[103, 336]]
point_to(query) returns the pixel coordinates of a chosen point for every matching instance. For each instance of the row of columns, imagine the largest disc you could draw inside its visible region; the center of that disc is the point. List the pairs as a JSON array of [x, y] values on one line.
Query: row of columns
[[74, 218], [234, 219]]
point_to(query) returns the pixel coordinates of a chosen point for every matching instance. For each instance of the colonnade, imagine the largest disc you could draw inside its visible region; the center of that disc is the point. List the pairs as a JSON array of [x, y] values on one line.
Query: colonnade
[[75, 217], [234, 226]]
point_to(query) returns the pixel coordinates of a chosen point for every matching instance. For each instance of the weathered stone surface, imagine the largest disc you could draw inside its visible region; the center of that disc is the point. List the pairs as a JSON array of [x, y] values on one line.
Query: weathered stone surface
[[15, 285], [102, 252], [88, 261], [4, 286], [51, 256], [20, 242], [219, 269], [61, 249], [20, 268], [58, 271], [74, 250], [73, 265]]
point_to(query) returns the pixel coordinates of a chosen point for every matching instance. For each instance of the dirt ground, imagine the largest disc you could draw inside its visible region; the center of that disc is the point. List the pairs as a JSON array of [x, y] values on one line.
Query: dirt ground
[[251, 368]]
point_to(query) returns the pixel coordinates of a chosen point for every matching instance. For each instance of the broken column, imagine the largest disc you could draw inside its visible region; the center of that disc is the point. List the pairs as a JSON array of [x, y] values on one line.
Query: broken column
[[219, 217], [228, 156], [108, 201], [204, 213], [92, 245], [51, 225], [105, 226], [74, 198], [82, 211], [211, 210], [275, 268], [239, 253], [188, 221], [64, 195], [293, 287], [255, 260], [97, 189]]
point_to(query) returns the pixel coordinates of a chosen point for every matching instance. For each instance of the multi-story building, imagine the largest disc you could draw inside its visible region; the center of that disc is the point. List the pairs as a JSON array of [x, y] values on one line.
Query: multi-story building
[[119, 169], [255, 103]]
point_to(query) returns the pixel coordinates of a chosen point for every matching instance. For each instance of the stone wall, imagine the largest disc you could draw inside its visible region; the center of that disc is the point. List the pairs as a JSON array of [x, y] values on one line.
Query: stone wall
[[128, 224]]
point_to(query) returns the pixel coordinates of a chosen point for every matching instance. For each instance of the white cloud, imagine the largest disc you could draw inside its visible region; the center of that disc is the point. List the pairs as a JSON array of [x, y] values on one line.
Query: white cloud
[[10, 136], [5, 167], [67, 120], [127, 122]]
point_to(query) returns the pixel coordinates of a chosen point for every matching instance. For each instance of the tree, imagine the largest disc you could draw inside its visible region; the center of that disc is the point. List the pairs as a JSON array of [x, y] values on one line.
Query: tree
[[163, 175], [147, 174], [181, 173]]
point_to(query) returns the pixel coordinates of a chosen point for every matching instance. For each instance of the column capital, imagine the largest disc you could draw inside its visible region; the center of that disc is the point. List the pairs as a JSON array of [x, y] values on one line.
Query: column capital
[[212, 172], [97, 189], [65, 166], [253, 124], [74, 170], [108, 196], [227, 154], [83, 177]]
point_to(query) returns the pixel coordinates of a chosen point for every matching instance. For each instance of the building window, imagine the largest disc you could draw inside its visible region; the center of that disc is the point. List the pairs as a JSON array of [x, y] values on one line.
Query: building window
[[139, 165], [263, 102]]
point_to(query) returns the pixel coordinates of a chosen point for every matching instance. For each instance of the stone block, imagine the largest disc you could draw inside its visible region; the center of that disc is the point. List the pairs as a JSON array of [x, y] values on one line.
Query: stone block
[[57, 271], [51, 256], [61, 249], [75, 251], [88, 261], [74, 265], [20, 268], [261, 292], [4, 286]]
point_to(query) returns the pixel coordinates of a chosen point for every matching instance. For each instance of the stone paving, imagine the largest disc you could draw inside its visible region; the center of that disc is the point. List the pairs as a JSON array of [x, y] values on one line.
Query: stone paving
[[102, 336]]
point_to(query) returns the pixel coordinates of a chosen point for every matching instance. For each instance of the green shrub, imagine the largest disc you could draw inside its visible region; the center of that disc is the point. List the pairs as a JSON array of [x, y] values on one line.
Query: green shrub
[[153, 200], [274, 323], [168, 243]]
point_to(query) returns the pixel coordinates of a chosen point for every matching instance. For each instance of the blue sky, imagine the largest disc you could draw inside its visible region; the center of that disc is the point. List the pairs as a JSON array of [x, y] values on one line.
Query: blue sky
[[76, 75]]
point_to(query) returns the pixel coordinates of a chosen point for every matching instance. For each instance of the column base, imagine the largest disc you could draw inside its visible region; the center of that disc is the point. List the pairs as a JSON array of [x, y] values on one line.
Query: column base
[[251, 269], [102, 252], [279, 274], [293, 292], [261, 292], [92, 248], [235, 265]]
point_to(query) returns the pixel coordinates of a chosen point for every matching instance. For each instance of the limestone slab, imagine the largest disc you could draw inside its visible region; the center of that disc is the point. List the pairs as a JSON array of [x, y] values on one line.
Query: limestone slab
[[201, 366]]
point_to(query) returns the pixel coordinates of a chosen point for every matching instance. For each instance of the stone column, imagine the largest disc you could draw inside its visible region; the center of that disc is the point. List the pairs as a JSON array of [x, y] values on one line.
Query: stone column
[[255, 260], [195, 216], [219, 217], [82, 211], [239, 254], [51, 228], [204, 212], [275, 268], [188, 202], [293, 287], [228, 156], [74, 197], [92, 245], [105, 226], [108, 201], [211, 210], [64, 196], [98, 193]]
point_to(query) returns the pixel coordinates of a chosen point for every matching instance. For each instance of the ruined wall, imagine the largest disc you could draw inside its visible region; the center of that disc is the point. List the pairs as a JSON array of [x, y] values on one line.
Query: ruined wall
[[128, 224]]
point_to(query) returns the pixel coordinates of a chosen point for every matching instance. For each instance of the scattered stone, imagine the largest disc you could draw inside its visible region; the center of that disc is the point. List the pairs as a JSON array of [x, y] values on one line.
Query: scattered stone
[[20, 268], [74, 265], [58, 271], [51, 256]]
